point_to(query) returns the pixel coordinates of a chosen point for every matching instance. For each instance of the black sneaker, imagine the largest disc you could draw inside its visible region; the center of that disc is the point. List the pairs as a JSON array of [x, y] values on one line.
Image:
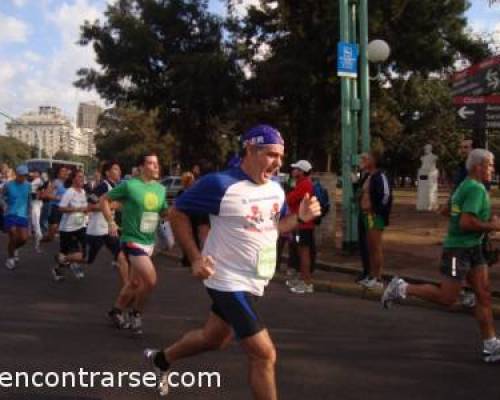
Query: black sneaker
[[161, 376], [117, 318]]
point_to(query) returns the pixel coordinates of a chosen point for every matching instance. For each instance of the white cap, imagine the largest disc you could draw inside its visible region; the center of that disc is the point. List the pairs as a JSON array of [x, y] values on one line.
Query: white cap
[[303, 165]]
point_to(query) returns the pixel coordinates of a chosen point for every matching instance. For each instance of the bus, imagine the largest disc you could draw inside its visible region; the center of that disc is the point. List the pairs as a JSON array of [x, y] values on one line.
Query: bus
[[50, 166]]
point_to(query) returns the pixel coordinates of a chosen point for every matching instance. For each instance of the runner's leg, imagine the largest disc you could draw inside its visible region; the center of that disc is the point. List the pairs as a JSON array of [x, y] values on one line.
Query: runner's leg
[[262, 360], [215, 335], [478, 278], [145, 270], [446, 293], [374, 237]]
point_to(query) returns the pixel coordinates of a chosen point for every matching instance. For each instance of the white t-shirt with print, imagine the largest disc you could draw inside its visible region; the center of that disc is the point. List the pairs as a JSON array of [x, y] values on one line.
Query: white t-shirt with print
[[74, 221], [244, 218]]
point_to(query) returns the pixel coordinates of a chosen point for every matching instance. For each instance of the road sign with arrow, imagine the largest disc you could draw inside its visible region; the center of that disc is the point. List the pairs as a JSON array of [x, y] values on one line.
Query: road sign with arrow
[[478, 112]]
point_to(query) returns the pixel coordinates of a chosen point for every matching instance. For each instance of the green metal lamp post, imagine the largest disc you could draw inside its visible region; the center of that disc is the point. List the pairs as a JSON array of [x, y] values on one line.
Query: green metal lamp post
[[355, 107]]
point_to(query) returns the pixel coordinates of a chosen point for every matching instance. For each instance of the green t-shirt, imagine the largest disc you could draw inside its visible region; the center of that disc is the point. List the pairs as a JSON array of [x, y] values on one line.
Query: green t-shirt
[[141, 205], [470, 197]]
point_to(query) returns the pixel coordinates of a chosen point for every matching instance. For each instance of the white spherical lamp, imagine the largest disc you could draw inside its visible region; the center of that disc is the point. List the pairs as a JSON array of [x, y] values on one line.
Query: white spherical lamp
[[378, 51]]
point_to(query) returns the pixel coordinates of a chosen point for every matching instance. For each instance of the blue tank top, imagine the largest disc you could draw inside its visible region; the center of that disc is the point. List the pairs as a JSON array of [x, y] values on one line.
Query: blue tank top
[[17, 197]]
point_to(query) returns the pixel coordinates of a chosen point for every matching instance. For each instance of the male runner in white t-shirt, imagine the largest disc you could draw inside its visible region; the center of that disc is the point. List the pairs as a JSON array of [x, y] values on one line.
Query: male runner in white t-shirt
[[247, 211]]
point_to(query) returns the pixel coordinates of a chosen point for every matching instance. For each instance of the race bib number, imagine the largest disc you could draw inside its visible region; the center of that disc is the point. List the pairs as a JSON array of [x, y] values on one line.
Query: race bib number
[[266, 263], [149, 222], [79, 219]]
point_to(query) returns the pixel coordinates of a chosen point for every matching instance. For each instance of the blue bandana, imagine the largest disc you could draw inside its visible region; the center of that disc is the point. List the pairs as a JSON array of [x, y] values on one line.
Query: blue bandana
[[262, 135]]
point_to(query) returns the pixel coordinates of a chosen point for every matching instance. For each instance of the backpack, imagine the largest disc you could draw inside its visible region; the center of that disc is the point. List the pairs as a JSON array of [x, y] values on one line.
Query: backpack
[[324, 200]]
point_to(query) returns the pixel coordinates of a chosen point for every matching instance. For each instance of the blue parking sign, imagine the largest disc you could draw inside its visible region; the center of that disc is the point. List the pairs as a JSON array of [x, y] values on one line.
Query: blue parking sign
[[347, 59]]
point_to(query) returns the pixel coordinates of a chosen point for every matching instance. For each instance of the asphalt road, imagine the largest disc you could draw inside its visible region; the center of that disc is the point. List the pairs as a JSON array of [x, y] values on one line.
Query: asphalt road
[[329, 347]]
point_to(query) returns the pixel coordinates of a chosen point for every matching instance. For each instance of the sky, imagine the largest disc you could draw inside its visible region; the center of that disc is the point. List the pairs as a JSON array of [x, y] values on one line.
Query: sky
[[39, 56]]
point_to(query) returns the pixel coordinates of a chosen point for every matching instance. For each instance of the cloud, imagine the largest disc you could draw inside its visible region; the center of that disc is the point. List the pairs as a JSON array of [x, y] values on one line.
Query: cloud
[[19, 3], [13, 30], [240, 7], [35, 77]]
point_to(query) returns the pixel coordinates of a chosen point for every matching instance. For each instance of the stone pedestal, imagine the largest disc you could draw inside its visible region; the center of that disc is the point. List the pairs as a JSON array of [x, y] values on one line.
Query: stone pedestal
[[325, 232], [427, 192]]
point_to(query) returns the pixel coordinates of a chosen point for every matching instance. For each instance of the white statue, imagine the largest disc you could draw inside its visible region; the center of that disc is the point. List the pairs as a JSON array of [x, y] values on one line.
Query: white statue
[[427, 194]]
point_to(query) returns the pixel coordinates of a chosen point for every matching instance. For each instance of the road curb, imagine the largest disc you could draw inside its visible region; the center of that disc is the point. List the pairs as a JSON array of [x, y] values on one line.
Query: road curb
[[355, 271], [354, 290]]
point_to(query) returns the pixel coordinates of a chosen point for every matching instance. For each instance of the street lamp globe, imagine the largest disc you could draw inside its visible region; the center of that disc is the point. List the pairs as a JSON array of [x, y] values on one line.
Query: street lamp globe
[[378, 51]]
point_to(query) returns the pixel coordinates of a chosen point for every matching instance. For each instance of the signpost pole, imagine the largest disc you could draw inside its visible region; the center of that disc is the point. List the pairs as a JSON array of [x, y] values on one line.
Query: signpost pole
[[348, 238]]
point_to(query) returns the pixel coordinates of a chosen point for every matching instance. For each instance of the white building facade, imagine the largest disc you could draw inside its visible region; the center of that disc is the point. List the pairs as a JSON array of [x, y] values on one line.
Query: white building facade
[[50, 130]]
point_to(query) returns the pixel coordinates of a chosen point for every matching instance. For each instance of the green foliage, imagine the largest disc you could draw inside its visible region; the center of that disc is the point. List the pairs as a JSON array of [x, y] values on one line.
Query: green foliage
[[175, 59], [125, 134], [298, 75], [169, 57], [412, 113], [14, 152]]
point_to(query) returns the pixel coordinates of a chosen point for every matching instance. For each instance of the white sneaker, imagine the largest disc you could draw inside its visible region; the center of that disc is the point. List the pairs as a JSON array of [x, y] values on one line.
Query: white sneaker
[[10, 263], [302, 288], [371, 283], [395, 290], [491, 352], [162, 376]]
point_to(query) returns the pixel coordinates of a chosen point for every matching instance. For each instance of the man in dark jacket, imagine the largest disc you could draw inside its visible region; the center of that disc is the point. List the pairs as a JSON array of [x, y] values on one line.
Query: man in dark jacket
[[375, 203]]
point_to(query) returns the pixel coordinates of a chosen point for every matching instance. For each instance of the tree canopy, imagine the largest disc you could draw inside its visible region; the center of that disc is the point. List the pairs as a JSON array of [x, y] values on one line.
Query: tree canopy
[[206, 78]]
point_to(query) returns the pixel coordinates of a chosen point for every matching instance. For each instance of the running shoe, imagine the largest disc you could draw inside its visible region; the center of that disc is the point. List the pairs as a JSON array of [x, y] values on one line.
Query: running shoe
[[136, 323], [162, 376], [395, 290], [491, 352], [118, 319], [77, 271], [302, 288], [57, 274], [10, 263], [371, 283]]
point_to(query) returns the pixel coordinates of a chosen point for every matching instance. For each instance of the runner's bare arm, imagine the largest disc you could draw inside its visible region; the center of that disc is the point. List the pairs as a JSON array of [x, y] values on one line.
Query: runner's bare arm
[[470, 223], [183, 232], [202, 266], [97, 206], [309, 209], [105, 206]]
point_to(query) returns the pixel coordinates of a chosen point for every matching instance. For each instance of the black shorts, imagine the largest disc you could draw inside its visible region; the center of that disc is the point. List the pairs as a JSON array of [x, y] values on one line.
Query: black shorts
[[304, 237], [238, 310], [72, 242], [55, 215], [457, 262], [95, 243]]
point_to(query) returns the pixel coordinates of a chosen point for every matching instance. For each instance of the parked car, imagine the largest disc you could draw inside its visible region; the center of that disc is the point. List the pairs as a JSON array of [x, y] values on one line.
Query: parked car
[[172, 184]]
